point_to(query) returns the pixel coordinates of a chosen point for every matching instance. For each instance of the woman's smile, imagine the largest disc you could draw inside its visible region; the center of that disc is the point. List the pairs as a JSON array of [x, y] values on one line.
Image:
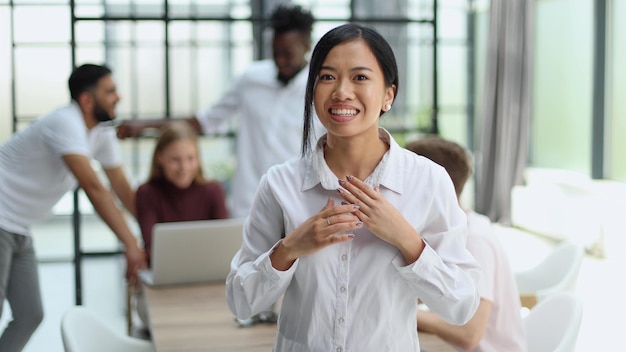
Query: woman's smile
[[342, 113]]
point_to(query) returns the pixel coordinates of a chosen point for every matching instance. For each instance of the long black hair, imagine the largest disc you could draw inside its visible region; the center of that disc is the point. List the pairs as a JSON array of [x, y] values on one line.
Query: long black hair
[[345, 33]]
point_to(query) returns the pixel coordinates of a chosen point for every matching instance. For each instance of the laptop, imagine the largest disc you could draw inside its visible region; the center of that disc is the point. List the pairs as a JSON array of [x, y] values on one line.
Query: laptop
[[189, 252]]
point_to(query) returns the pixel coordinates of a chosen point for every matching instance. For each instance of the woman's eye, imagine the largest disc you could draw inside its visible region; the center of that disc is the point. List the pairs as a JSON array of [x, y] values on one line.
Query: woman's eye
[[326, 77], [360, 77]]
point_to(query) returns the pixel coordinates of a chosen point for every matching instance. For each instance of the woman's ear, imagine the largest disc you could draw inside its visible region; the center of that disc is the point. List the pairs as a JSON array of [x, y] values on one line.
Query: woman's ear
[[390, 95], [85, 100]]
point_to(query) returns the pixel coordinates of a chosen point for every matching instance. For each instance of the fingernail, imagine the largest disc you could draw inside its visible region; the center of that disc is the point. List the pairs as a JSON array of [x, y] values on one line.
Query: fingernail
[[341, 182], [349, 178], [359, 224], [351, 235], [339, 190], [343, 202], [355, 207]]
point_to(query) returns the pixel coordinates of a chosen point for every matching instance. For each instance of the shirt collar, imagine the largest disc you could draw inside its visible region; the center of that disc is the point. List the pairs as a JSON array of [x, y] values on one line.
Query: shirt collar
[[317, 171]]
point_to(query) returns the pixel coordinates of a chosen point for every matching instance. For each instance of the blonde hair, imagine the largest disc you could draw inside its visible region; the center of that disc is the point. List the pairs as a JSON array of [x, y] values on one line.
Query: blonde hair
[[169, 133]]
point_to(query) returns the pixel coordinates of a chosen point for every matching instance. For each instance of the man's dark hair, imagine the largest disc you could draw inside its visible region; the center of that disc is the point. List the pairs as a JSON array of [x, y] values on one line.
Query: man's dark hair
[[289, 18], [86, 77], [452, 156]]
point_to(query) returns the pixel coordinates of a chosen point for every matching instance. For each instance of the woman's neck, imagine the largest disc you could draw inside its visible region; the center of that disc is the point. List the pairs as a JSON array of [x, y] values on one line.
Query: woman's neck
[[357, 156]]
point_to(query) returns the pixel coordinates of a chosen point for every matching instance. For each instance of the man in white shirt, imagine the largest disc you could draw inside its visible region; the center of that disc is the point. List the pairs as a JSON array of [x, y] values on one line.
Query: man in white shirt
[[37, 167], [497, 324], [268, 98]]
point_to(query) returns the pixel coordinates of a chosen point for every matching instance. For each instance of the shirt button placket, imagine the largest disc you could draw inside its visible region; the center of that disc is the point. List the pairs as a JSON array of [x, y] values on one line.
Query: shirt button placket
[[342, 297]]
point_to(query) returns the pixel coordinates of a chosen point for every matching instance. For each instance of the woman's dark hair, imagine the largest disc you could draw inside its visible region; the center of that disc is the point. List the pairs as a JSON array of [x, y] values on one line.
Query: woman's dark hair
[[345, 33], [86, 77]]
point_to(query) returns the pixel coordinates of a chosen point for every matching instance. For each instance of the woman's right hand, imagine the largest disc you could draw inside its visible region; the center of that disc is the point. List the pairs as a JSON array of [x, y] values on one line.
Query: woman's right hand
[[328, 226]]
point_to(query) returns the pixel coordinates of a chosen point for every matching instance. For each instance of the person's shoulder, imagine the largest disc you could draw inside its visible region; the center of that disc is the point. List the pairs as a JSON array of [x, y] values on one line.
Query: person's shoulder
[[260, 70], [144, 187], [149, 187], [63, 125], [418, 164], [66, 114], [480, 228], [210, 186], [478, 219], [263, 65], [287, 169], [260, 66]]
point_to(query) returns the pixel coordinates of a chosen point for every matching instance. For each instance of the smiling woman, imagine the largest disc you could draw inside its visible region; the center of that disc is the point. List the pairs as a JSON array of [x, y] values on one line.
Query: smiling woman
[[345, 232], [350, 95]]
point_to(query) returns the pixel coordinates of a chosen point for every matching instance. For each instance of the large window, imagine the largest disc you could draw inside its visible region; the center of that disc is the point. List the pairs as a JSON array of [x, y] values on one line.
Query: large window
[[171, 58], [563, 116], [562, 90]]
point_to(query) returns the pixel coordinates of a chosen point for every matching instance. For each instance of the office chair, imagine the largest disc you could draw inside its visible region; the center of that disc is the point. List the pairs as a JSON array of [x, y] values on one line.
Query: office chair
[[553, 324], [555, 273], [83, 331]]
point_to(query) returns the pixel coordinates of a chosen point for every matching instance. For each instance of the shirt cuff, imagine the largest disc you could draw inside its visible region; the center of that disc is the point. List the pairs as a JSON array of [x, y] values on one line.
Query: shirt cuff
[[264, 264]]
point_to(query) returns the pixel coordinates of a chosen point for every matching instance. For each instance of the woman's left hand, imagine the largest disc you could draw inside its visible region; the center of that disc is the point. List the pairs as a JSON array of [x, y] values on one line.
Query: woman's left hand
[[381, 217]]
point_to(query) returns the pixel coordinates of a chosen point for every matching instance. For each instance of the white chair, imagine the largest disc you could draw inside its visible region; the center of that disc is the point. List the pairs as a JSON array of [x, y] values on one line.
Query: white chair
[[555, 273], [553, 324], [83, 331]]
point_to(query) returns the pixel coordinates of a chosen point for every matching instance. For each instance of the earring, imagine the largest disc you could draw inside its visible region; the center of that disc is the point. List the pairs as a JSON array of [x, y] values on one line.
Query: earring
[[387, 107]]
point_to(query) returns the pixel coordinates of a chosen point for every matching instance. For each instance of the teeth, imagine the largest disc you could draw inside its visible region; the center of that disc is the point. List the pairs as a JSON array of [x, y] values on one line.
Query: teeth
[[343, 111]]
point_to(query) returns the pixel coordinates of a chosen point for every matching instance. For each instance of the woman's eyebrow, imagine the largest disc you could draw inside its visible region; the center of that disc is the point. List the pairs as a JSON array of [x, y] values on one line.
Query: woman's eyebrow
[[358, 68]]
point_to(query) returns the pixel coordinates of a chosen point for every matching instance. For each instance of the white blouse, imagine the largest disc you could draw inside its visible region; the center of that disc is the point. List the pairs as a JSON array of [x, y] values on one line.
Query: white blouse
[[358, 295]]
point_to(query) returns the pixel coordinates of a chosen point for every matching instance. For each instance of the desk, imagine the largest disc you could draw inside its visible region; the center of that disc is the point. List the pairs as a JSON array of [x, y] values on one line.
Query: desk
[[196, 318]]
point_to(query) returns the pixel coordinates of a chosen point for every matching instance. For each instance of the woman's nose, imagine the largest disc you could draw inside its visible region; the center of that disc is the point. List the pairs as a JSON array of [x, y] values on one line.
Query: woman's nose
[[342, 91]]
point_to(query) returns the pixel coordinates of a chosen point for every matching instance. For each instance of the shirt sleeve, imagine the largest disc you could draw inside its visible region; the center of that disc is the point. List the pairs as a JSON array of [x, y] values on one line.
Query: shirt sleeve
[[106, 147], [64, 137], [253, 284], [215, 119], [446, 275]]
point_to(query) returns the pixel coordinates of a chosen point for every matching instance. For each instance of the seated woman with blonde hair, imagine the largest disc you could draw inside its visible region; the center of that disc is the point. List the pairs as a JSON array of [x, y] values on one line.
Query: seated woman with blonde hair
[[176, 189]]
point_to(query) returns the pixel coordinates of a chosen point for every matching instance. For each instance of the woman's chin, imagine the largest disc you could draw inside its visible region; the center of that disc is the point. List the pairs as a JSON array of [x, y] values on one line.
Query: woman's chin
[[181, 184]]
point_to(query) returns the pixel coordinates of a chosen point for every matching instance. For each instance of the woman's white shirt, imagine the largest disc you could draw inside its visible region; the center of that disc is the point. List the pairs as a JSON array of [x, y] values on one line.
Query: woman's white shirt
[[358, 295]]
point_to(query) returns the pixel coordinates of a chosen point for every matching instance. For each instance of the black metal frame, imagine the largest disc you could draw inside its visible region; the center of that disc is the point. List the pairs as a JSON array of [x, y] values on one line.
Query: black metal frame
[[599, 88]]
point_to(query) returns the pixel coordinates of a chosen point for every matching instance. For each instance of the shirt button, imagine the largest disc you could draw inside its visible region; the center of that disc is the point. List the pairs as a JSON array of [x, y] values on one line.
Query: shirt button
[[339, 349], [344, 257], [341, 320], [342, 289]]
